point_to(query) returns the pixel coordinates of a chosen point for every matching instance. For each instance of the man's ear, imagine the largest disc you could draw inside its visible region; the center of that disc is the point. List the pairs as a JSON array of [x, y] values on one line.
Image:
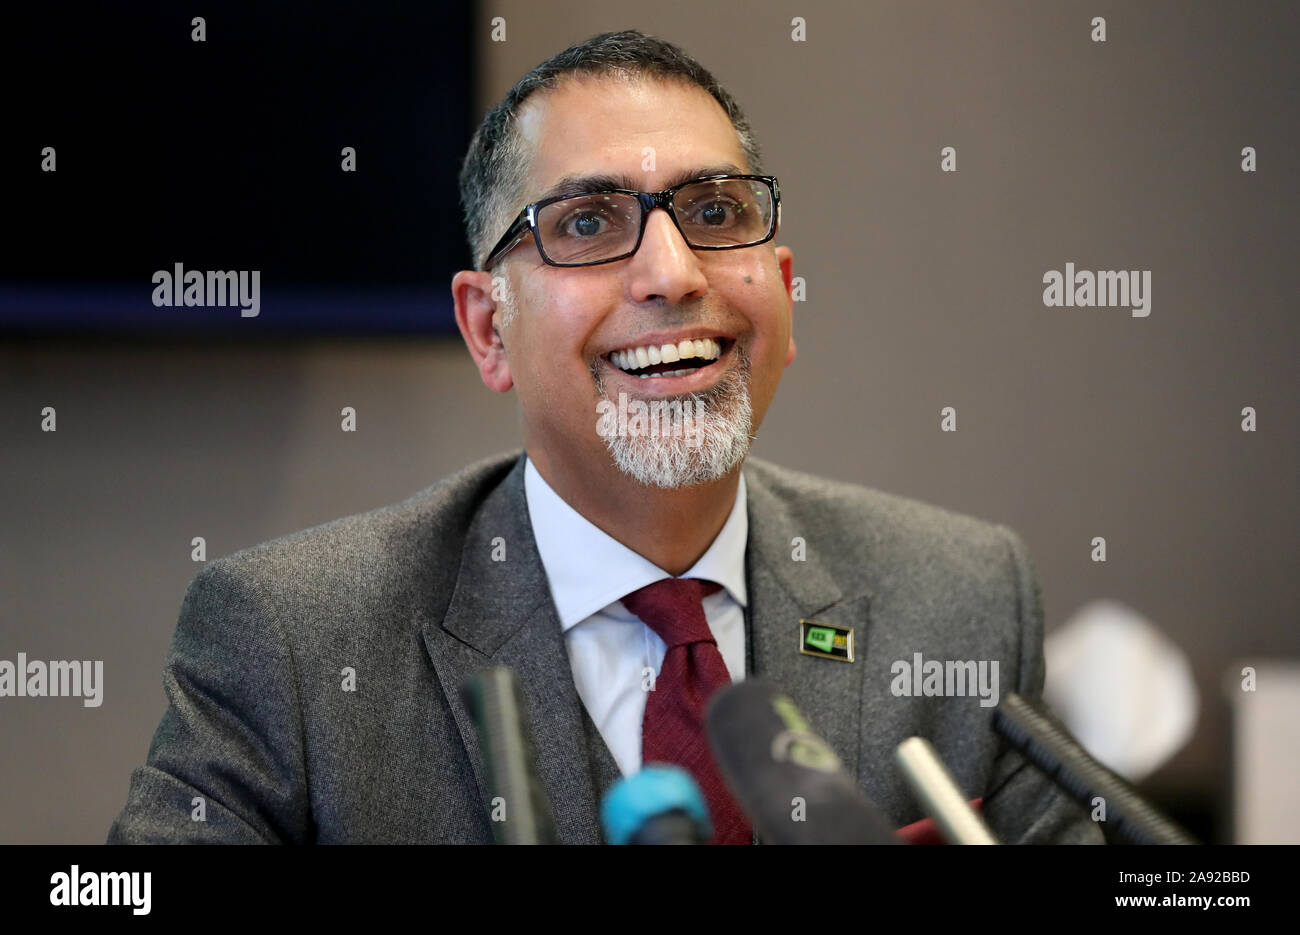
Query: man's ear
[[785, 259], [476, 307]]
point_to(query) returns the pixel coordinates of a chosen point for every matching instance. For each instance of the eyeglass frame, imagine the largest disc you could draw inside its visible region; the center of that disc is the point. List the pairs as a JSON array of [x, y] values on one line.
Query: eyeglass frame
[[526, 221]]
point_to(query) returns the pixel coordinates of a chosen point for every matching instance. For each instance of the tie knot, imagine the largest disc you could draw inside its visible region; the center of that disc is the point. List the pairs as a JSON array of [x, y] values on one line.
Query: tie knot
[[674, 609]]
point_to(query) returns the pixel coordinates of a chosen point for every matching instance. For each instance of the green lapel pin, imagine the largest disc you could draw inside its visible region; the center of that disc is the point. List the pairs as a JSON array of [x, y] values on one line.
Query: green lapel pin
[[817, 638]]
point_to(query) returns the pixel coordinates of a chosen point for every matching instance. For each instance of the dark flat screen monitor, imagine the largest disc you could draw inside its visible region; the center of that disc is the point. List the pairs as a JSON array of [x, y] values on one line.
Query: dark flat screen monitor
[[316, 145]]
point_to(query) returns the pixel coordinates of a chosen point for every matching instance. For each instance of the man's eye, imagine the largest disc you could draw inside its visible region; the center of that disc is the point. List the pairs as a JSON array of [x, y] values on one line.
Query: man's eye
[[717, 213], [584, 224]]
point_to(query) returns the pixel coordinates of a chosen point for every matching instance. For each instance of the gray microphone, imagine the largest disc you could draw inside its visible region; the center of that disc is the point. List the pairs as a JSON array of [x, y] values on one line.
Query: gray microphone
[[939, 793], [519, 810]]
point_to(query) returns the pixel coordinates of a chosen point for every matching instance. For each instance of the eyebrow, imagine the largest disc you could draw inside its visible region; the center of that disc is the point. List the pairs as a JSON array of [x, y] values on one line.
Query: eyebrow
[[578, 184]]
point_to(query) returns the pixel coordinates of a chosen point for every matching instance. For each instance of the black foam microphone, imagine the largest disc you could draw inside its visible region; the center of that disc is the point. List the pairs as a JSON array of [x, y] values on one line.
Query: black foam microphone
[[1049, 746], [786, 778], [519, 810]]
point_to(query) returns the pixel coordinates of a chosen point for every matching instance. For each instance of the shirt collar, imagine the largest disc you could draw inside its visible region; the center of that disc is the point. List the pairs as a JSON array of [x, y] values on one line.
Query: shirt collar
[[568, 542]]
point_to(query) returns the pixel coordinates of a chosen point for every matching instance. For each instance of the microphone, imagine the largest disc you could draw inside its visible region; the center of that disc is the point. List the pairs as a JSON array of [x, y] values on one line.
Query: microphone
[[1050, 747], [519, 811], [659, 805], [789, 782], [939, 793]]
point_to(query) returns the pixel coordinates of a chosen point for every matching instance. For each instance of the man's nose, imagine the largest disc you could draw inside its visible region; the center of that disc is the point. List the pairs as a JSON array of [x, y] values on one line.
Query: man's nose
[[665, 267]]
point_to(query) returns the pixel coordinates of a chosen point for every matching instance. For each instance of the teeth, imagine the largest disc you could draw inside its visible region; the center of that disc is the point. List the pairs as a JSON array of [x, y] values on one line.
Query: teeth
[[635, 358], [669, 373]]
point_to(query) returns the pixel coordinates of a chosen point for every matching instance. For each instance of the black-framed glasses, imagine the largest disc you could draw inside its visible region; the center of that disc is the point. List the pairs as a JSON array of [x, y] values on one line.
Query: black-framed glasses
[[716, 212]]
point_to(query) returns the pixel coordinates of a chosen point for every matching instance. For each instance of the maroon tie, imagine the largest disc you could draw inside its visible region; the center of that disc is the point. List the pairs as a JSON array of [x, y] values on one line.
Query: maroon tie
[[673, 729]]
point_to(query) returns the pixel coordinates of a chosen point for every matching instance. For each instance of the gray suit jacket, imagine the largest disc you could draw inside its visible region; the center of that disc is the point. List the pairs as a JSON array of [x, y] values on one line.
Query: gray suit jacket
[[263, 740]]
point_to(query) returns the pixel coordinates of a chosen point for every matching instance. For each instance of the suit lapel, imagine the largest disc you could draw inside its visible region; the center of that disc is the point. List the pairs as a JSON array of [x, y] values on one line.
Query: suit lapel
[[783, 591], [501, 614]]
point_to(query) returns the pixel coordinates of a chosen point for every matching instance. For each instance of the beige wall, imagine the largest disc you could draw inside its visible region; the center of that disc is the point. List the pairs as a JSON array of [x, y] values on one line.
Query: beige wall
[[924, 291]]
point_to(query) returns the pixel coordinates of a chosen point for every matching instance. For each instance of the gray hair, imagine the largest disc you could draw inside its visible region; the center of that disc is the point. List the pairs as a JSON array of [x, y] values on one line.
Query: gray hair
[[496, 166]]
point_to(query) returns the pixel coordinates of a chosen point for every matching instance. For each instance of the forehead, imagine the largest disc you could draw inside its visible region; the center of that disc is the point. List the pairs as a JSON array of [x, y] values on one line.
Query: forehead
[[609, 125]]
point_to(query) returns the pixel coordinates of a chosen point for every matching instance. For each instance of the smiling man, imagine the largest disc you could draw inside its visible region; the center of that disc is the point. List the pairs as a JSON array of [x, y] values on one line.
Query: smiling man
[[622, 326], [623, 236]]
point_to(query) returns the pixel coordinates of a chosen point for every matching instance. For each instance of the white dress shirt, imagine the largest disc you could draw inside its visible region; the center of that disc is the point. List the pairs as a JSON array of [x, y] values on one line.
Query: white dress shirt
[[610, 648]]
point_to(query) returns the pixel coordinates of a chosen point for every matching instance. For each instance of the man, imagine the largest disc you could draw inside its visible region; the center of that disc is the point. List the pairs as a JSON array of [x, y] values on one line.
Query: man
[[624, 568]]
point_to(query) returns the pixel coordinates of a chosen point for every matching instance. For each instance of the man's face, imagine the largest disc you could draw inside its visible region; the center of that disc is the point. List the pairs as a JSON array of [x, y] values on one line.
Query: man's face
[[567, 322]]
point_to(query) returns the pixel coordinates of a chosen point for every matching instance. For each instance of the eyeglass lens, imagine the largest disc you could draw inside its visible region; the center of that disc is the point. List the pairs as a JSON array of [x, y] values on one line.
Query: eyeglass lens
[[722, 213]]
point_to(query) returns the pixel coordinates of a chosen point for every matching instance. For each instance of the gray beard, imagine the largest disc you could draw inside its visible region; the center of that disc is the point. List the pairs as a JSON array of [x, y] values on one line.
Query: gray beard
[[674, 462]]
